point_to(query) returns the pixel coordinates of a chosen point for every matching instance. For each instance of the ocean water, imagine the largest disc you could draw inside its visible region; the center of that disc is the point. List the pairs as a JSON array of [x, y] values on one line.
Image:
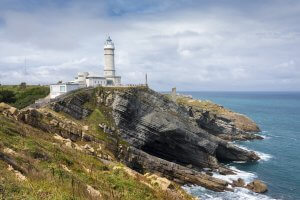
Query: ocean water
[[278, 116]]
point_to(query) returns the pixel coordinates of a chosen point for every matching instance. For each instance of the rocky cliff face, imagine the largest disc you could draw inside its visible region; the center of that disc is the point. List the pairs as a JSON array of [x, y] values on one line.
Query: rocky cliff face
[[160, 127], [218, 120], [173, 139]]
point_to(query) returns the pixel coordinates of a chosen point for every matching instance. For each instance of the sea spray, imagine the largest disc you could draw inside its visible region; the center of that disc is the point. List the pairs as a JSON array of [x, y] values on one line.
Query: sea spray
[[237, 194], [263, 156], [246, 176]]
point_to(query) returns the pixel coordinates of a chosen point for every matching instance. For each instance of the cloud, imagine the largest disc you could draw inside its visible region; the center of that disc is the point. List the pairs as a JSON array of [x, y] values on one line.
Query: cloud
[[194, 45]]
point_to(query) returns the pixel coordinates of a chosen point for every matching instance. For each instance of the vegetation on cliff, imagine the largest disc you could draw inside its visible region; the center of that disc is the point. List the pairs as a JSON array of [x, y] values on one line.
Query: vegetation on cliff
[[21, 96]]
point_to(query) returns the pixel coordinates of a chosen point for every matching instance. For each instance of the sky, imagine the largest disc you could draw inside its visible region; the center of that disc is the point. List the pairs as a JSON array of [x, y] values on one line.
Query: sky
[[194, 45]]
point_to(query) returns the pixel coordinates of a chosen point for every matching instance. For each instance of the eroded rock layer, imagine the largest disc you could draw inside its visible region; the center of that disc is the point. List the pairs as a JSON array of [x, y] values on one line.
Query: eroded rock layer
[[164, 136]]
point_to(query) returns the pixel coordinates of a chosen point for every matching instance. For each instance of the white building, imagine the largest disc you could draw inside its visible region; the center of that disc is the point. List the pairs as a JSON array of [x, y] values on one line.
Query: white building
[[93, 81], [62, 88], [81, 79], [84, 79]]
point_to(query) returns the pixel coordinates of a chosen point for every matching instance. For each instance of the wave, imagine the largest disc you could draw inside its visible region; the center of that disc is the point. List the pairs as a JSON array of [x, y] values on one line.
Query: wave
[[265, 137], [237, 194], [247, 176], [284, 137], [263, 156]]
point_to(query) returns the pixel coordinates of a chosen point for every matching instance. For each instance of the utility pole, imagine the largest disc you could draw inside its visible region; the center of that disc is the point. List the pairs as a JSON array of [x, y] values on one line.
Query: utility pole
[[146, 79]]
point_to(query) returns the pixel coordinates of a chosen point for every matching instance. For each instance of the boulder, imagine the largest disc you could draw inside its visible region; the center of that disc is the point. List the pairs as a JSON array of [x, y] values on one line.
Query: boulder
[[86, 137], [225, 171], [4, 106], [89, 148], [95, 194], [69, 144], [257, 186], [13, 110], [85, 128], [54, 122], [161, 182], [238, 183]]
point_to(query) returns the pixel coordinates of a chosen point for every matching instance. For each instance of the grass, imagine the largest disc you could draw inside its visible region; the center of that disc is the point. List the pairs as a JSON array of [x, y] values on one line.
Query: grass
[[44, 156], [25, 96], [203, 105]]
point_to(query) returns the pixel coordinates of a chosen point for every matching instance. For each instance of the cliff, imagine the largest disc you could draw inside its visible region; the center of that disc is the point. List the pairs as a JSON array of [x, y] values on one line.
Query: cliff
[[218, 120], [145, 130], [162, 135]]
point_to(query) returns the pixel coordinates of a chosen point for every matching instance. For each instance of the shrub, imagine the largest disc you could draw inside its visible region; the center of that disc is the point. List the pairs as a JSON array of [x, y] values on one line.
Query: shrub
[[7, 96], [29, 95]]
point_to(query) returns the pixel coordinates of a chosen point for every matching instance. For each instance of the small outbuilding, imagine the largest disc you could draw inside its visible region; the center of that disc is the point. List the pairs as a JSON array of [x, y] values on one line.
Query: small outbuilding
[[62, 88]]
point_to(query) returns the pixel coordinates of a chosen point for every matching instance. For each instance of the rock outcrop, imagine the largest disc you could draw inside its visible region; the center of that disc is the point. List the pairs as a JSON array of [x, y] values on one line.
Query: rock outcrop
[[220, 121], [162, 128], [144, 162], [257, 186], [238, 183]]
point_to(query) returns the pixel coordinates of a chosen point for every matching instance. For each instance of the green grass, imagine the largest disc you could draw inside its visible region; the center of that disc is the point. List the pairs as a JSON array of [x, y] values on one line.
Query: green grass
[[48, 180], [26, 96]]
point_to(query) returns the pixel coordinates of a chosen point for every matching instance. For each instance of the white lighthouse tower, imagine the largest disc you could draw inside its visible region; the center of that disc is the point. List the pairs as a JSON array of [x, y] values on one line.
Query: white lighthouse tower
[[109, 63]]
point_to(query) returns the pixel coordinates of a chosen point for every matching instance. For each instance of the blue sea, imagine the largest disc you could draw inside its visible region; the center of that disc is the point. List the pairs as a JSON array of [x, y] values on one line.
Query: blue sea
[[278, 116]]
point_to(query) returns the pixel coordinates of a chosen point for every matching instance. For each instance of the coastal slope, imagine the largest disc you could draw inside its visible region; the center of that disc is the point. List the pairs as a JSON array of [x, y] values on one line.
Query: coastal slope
[[144, 134]]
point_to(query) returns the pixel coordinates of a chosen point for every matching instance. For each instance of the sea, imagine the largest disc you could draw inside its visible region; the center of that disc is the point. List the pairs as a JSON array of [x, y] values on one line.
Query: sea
[[278, 116]]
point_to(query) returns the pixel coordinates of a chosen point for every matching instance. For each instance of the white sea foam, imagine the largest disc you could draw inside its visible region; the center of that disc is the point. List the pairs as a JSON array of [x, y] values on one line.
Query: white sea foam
[[263, 156], [237, 194], [247, 176], [266, 137], [239, 161]]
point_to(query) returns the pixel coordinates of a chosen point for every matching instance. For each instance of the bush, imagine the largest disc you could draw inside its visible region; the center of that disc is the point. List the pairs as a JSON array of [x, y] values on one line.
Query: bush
[[21, 97], [29, 95], [7, 96]]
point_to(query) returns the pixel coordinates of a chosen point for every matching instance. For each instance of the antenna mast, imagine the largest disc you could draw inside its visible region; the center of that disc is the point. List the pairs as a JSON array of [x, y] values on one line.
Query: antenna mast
[[146, 80], [25, 67]]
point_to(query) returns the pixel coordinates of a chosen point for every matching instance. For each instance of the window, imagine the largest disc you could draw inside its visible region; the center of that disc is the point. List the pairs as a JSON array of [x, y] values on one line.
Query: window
[[62, 88]]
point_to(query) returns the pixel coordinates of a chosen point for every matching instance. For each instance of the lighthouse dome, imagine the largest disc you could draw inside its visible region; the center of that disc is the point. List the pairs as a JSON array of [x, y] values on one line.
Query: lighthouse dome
[[109, 44]]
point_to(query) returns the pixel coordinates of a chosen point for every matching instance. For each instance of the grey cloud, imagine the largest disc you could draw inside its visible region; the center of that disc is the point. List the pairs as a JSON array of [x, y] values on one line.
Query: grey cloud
[[197, 47]]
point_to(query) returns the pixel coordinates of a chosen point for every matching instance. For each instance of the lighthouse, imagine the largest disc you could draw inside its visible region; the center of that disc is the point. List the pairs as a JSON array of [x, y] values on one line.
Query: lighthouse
[[109, 63], [109, 58]]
